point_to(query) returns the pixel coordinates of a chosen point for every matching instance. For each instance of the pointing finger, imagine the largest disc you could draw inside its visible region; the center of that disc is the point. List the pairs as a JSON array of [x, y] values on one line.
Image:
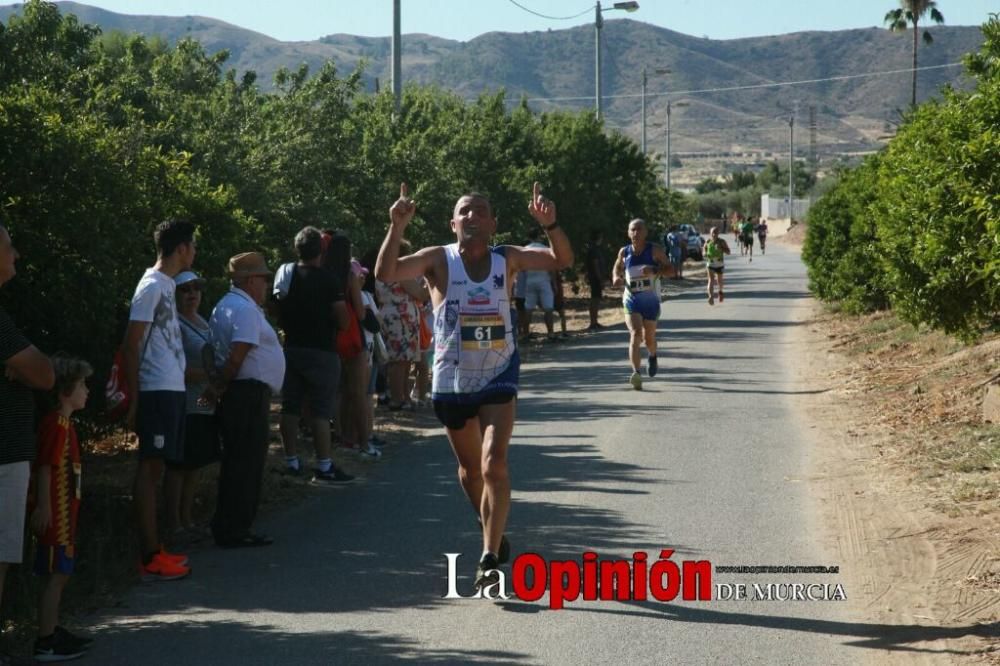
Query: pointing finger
[[536, 192], [404, 191]]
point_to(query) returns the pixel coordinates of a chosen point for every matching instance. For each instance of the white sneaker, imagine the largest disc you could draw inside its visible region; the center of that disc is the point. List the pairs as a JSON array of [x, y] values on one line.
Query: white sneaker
[[370, 452], [636, 381]]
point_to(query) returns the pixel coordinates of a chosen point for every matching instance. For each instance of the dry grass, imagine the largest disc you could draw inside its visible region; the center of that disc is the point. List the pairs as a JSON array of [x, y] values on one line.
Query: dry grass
[[925, 390]]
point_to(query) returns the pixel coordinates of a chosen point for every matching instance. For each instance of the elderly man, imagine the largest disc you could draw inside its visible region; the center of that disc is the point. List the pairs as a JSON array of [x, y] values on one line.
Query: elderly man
[[24, 368], [251, 368], [476, 363]]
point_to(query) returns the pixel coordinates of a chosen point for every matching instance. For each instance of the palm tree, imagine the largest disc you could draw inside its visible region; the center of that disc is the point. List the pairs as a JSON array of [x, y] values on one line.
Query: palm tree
[[909, 13]]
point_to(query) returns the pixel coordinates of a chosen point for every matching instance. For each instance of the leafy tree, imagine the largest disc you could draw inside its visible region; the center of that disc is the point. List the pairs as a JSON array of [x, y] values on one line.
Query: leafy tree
[[909, 13], [841, 247]]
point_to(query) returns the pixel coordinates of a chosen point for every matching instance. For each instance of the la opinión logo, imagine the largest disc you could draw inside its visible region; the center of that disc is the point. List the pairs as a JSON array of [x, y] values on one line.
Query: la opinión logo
[[594, 579]]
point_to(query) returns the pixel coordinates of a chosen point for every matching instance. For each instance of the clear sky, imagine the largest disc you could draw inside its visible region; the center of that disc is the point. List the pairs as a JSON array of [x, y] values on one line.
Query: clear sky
[[293, 20]]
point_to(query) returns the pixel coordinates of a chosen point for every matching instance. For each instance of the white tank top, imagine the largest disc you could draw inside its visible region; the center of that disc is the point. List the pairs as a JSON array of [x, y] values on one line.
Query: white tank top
[[473, 331]]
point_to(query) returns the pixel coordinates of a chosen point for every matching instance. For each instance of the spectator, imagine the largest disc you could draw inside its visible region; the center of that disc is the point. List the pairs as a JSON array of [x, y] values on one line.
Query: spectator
[[154, 370], [401, 326], [201, 429], [375, 345], [252, 367], [538, 290], [420, 394], [24, 368], [354, 379], [57, 503], [311, 312], [559, 302], [676, 248], [597, 274]]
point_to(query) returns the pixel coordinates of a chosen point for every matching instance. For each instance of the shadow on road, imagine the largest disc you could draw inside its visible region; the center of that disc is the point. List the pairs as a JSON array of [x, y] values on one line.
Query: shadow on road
[[893, 637]]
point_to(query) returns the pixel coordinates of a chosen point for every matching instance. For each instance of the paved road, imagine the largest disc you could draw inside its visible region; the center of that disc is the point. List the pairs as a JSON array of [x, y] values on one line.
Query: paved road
[[706, 460]]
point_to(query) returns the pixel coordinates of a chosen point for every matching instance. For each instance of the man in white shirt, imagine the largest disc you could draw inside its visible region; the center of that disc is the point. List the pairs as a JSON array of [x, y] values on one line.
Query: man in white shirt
[[155, 363], [251, 368]]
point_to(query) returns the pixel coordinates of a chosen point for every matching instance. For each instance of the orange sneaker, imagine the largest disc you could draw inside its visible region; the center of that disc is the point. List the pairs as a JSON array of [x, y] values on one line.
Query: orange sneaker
[[176, 558], [161, 568]]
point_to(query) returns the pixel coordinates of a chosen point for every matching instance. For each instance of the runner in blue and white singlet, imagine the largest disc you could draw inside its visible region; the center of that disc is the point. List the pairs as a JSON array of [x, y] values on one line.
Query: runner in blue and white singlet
[[637, 270], [476, 361], [475, 354]]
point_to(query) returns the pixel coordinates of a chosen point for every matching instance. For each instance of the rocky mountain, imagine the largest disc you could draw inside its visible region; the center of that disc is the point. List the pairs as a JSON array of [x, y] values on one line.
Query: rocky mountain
[[708, 115]]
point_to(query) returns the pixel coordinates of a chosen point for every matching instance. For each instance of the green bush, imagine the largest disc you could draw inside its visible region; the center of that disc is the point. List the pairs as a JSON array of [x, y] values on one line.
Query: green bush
[[840, 250]]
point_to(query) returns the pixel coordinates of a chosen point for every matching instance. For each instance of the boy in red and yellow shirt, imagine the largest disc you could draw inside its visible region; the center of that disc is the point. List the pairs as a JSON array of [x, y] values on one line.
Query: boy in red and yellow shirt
[[57, 502]]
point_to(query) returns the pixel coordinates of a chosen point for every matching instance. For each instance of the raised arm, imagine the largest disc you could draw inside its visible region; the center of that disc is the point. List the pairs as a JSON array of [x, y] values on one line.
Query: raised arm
[[390, 267], [554, 258]]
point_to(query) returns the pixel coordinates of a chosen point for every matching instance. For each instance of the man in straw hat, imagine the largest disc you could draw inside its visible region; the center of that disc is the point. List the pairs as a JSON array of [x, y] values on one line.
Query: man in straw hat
[[251, 368]]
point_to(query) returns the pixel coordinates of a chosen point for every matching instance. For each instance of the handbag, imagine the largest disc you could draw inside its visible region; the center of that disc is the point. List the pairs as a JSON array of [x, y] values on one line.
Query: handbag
[[349, 342], [379, 351]]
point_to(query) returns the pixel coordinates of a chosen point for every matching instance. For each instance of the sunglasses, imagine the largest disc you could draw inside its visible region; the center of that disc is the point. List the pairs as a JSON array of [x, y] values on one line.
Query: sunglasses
[[189, 288]]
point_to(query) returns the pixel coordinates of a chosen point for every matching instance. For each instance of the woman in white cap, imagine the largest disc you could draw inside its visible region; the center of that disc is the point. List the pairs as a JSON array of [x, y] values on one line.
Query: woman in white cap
[[201, 431]]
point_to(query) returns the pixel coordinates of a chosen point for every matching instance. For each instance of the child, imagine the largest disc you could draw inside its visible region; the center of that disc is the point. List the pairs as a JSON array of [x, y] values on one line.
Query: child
[[54, 519]]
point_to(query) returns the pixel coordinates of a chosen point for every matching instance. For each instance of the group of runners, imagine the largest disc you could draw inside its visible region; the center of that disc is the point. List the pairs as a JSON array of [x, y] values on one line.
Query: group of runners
[[744, 230], [476, 362]]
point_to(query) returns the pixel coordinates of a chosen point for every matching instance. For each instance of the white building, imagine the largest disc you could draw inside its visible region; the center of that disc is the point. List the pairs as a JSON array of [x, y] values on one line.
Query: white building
[[777, 208]]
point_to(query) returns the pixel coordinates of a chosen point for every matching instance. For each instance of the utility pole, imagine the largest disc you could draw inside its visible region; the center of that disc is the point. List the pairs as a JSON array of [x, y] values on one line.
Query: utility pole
[[668, 146], [397, 56], [791, 167], [644, 110], [598, 24]]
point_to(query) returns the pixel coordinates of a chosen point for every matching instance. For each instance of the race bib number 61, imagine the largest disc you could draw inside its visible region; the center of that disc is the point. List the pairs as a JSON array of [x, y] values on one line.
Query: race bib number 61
[[482, 331]]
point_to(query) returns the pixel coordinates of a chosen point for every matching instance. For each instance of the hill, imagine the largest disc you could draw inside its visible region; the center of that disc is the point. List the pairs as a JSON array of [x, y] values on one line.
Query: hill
[[851, 114]]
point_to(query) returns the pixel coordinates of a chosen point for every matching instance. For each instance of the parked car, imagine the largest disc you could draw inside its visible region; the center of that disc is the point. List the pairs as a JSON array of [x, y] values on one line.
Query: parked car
[[695, 243]]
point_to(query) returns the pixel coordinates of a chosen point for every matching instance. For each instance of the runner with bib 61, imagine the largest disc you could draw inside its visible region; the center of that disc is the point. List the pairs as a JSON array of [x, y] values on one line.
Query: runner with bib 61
[[476, 363]]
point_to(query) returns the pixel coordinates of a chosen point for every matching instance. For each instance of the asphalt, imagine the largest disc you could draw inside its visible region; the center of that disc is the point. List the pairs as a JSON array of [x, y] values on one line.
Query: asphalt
[[707, 460]]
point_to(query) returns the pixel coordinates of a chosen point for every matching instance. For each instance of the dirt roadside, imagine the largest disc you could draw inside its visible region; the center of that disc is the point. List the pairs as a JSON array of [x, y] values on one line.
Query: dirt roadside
[[909, 506]]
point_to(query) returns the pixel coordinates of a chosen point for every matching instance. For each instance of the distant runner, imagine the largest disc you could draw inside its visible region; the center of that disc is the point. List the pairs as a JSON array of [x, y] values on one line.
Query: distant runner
[[746, 236], [716, 250], [638, 268], [476, 363], [762, 234]]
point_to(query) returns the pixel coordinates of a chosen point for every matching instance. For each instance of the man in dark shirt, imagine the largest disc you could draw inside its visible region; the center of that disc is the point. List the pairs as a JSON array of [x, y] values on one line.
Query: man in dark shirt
[[310, 312], [597, 273], [24, 368]]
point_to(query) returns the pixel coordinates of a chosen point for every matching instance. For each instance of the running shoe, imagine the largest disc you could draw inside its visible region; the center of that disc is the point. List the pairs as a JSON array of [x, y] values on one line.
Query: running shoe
[[503, 556], [652, 368], [369, 452], [174, 557], [69, 637], [56, 648], [487, 571], [161, 568], [334, 476], [636, 381], [722, 297], [711, 299]]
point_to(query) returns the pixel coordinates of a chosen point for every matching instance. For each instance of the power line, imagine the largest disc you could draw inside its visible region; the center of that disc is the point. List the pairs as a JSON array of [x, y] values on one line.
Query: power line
[[554, 18], [779, 84]]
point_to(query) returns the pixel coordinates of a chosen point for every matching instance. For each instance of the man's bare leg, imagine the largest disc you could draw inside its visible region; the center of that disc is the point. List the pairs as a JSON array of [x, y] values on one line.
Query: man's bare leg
[[635, 330], [481, 450]]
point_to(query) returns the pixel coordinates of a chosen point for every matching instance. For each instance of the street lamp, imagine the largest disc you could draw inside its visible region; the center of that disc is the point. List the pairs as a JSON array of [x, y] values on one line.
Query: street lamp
[[658, 70], [678, 105], [598, 24]]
